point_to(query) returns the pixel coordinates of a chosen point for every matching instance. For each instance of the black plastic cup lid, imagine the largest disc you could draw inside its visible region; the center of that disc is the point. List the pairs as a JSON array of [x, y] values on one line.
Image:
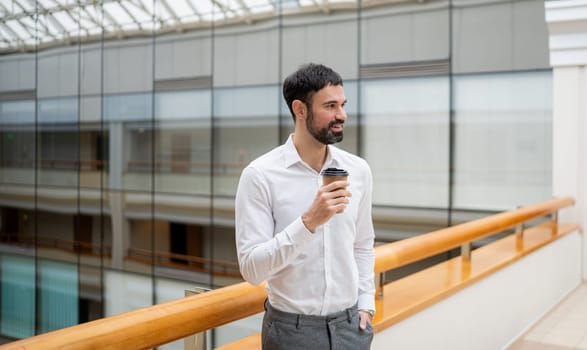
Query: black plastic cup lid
[[334, 172]]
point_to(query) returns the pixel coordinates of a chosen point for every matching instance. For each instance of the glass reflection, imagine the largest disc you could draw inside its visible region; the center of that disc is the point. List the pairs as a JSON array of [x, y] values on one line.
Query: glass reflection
[[128, 125], [119, 285], [90, 292], [182, 151], [503, 139], [405, 139], [58, 295], [245, 127], [17, 142], [120, 155], [18, 295], [57, 142]]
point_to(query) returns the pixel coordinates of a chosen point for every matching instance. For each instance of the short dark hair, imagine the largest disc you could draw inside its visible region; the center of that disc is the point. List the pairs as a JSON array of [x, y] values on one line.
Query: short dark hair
[[306, 81]]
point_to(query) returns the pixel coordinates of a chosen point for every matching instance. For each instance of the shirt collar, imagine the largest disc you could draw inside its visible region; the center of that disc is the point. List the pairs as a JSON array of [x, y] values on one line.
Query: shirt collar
[[291, 155]]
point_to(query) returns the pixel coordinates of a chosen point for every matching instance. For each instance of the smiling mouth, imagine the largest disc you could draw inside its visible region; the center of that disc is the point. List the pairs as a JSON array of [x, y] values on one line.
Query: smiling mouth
[[337, 126]]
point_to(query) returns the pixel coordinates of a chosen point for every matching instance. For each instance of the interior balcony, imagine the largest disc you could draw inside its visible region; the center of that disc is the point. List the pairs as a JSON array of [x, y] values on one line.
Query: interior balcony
[[519, 291]]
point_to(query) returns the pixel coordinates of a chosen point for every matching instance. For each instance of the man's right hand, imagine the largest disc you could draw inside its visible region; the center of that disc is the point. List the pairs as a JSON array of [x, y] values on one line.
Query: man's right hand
[[329, 200]]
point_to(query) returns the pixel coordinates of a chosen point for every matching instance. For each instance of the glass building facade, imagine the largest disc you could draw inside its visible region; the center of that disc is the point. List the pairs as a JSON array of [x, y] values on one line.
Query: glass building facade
[[121, 143]]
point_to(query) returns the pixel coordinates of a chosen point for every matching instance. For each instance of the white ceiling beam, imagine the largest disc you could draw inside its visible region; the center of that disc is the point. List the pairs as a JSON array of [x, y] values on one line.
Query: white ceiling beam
[[129, 13], [68, 10], [225, 9], [91, 18], [194, 9], [47, 14], [4, 9], [9, 30], [247, 10], [323, 5], [40, 25], [171, 11], [22, 24], [118, 29], [60, 7], [51, 19], [30, 30], [18, 40], [138, 4], [48, 31]]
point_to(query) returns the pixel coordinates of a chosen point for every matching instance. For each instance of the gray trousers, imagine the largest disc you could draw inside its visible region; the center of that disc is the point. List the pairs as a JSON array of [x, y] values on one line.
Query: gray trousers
[[339, 331]]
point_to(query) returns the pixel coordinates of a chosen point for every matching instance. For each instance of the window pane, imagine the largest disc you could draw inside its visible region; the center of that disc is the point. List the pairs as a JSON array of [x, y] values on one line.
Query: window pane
[[405, 140], [57, 142], [18, 296], [58, 295], [17, 140], [246, 126], [127, 118], [183, 141], [503, 154], [125, 292]]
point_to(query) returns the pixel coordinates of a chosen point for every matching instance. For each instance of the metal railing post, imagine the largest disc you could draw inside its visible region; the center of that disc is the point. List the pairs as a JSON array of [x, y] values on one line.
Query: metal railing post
[[196, 341], [554, 217], [520, 231], [380, 283], [466, 252]]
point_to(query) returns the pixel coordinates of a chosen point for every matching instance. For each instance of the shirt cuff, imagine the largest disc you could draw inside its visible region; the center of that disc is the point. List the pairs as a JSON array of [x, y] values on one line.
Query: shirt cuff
[[298, 233], [366, 302]]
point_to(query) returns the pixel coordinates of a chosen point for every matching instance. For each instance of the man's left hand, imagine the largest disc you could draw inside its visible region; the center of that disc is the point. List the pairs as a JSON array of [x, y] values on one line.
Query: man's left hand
[[365, 318]]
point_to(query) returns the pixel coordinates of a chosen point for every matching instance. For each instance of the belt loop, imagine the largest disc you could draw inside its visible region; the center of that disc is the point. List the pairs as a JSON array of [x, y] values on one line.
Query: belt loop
[[265, 304], [349, 313], [299, 322]]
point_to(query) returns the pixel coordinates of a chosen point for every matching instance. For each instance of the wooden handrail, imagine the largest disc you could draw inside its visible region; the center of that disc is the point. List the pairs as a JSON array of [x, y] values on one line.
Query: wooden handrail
[[155, 325], [163, 323], [406, 251]]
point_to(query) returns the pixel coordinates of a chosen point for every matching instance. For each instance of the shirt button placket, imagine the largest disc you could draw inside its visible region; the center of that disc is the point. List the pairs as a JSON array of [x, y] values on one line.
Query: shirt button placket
[[326, 238]]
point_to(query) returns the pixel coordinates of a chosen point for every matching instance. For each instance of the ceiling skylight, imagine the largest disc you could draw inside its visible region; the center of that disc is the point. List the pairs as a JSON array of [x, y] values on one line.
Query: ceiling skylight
[[29, 24]]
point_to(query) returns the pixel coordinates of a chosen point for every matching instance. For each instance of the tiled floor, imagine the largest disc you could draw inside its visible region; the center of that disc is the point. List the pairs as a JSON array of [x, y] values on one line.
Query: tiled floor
[[563, 328]]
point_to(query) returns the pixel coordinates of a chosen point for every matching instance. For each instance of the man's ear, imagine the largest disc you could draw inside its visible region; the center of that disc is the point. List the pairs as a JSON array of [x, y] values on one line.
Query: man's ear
[[299, 108]]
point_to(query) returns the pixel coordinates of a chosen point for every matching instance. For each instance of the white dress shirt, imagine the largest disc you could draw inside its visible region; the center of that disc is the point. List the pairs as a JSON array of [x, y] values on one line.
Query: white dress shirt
[[307, 273]]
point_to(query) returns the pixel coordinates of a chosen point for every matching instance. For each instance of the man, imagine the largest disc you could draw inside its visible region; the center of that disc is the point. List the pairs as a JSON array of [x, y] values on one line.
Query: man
[[318, 263]]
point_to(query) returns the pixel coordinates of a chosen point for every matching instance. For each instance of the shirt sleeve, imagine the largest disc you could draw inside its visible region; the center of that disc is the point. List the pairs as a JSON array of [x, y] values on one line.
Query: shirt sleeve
[[261, 251], [364, 247]]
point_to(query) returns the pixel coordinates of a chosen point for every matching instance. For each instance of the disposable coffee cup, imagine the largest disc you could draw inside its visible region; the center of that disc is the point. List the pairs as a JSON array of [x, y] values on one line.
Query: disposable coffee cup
[[333, 174]]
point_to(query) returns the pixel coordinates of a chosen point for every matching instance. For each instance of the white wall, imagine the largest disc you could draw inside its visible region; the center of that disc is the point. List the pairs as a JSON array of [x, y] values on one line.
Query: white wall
[[567, 25], [495, 311], [569, 153]]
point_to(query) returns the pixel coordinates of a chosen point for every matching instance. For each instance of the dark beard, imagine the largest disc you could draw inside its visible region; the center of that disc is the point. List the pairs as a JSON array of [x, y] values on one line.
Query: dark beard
[[324, 135]]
